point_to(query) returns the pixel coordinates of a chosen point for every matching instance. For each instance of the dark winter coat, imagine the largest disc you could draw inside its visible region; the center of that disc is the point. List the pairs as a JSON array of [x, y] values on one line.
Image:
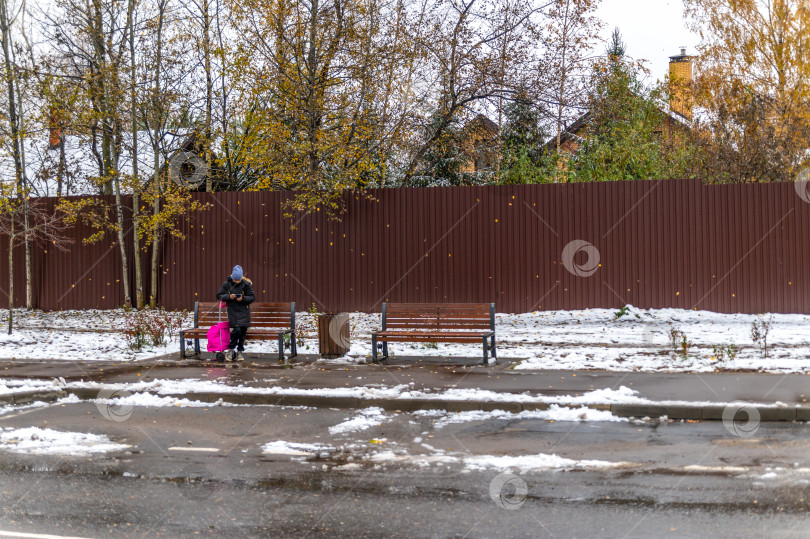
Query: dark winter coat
[[238, 311]]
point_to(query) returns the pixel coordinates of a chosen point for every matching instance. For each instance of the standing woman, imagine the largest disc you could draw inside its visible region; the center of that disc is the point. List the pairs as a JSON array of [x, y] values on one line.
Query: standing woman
[[237, 293]]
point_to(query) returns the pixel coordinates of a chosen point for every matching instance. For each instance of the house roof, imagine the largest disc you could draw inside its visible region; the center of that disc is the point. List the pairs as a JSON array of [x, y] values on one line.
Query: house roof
[[572, 131], [481, 122]]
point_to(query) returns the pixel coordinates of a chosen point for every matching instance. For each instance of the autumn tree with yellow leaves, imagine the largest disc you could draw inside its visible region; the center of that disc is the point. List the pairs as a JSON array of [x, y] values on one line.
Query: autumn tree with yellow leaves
[[752, 90], [318, 83]]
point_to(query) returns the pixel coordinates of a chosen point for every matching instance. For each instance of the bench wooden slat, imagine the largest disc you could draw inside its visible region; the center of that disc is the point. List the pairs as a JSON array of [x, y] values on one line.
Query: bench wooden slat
[[196, 331], [438, 322], [434, 306], [477, 334], [269, 307], [254, 321], [449, 318], [439, 326], [268, 321], [435, 339], [253, 314], [441, 312]]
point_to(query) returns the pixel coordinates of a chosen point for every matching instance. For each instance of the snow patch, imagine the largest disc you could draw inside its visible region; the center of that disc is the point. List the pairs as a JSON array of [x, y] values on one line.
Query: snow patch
[[155, 401], [281, 447], [554, 413], [366, 419], [539, 462], [36, 441], [521, 463]]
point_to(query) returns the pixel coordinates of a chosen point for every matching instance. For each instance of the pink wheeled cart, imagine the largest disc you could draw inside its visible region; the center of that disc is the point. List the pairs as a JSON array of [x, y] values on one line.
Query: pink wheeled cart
[[219, 336]]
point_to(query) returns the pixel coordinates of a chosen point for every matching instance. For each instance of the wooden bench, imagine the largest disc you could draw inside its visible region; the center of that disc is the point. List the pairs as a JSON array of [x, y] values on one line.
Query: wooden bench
[[438, 323], [267, 321]]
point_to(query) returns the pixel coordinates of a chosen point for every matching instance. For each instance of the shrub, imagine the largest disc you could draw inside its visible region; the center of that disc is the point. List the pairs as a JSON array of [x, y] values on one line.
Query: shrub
[[724, 352], [680, 344], [759, 333], [151, 326]]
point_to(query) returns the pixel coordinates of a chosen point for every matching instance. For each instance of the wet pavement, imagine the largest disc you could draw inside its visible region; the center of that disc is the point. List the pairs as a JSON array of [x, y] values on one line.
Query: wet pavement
[[681, 479], [201, 470]]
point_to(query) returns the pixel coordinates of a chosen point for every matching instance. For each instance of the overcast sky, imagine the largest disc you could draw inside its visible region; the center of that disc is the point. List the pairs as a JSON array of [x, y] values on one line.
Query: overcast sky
[[652, 29]]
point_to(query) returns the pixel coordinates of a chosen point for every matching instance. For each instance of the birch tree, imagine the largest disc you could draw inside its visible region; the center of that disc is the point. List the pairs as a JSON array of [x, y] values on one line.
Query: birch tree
[[14, 111], [322, 86], [93, 37], [572, 32], [21, 223], [477, 54]]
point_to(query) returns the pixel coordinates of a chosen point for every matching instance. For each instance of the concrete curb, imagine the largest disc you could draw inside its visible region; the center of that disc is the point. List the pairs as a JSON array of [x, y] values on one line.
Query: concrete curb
[[699, 413], [26, 397], [711, 412]]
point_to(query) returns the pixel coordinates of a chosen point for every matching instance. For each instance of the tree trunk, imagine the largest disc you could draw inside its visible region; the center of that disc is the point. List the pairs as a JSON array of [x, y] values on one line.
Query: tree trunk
[[11, 278], [29, 301], [158, 123], [16, 149], [136, 210], [136, 247], [224, 102], [60, 170], [312, 91], [29, 270], [19, 169], [119, 211], [155, 247], [563, 79], [102, 95], [209, 90]]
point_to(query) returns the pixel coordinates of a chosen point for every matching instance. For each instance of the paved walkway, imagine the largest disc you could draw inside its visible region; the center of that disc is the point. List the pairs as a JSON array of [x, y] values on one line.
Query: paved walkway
[[789, 391]]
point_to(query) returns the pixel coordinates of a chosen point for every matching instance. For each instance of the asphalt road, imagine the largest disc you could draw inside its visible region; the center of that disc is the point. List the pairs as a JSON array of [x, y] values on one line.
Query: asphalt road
[[201, 471]]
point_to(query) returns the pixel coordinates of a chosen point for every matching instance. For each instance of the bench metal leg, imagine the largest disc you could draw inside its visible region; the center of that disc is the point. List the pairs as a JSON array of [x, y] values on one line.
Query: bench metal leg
[[182, 346], [385, 350], [374, 348], [281, 348], [492, 348], [197, 347], [486, 347], [293, 345]]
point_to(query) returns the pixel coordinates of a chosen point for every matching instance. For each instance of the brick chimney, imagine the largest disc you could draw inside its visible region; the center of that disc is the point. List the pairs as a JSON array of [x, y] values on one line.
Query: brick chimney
[[680, 80]]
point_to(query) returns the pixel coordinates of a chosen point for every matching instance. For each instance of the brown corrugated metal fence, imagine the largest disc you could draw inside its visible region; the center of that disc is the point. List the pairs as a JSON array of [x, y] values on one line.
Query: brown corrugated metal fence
[[676, 243]]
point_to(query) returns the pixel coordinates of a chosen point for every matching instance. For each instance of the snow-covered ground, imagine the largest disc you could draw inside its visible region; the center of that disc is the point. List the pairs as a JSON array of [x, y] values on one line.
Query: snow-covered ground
[[639, 340]]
